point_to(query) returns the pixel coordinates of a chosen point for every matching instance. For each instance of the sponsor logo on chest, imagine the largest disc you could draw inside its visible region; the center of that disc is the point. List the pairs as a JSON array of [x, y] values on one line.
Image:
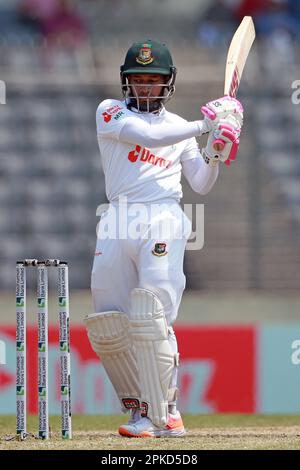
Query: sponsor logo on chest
[[144, 155]]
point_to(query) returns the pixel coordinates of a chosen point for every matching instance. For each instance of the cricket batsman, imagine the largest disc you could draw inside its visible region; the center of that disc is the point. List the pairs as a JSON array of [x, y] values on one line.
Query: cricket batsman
[[137, 278]]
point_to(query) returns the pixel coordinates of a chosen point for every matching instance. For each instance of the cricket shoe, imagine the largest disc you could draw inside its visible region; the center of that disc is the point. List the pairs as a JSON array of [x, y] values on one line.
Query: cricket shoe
[[145, 428], [135, 415]]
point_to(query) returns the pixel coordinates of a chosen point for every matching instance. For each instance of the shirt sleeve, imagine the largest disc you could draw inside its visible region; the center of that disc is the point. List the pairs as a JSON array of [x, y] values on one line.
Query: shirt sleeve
[[115, 121], [111, 116], [200, 176]]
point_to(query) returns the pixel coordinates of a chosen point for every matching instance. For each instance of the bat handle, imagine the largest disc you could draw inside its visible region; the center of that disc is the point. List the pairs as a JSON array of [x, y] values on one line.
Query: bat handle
[[218, 145]]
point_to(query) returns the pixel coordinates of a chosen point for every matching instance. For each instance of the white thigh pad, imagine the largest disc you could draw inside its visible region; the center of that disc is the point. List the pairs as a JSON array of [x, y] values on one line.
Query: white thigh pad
[[155, 359], [109, 336]]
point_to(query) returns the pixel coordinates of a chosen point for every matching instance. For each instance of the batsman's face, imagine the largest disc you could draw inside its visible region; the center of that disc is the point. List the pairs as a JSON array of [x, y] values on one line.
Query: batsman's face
[[147, 86]]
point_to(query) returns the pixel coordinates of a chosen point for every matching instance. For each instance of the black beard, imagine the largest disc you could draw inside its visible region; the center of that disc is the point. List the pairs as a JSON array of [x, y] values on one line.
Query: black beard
[[153, 105]]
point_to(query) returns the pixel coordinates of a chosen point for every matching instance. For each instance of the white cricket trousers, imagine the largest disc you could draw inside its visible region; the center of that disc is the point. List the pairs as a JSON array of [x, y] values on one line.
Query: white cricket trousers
[[141, 245]]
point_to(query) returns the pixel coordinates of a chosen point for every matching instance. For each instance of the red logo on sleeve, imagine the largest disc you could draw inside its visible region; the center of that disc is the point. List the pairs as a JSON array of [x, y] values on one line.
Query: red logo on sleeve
[[106, 117], [115, 111]]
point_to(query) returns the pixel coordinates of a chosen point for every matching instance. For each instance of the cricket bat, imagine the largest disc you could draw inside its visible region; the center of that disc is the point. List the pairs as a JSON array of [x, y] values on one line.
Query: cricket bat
[[236, 59], [237, 55]]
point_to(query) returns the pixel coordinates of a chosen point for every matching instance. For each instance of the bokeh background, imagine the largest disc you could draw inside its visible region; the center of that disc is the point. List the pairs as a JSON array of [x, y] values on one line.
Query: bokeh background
[[58, 60]]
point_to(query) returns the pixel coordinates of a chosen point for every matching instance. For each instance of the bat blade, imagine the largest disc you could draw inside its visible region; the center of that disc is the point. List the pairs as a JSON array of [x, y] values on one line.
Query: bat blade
[[236, 58], [237, 55]]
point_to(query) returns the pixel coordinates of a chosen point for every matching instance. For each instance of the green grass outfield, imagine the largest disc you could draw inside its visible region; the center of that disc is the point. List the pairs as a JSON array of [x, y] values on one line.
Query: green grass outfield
[[204, 432]]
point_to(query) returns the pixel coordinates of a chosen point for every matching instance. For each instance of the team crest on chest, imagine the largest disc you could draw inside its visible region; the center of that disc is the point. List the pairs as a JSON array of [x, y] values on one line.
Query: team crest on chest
[[145, 56], [160, 249]]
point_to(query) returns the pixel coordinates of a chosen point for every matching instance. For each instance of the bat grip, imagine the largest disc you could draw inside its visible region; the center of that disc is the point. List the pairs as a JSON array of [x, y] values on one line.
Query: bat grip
[[219, 145]]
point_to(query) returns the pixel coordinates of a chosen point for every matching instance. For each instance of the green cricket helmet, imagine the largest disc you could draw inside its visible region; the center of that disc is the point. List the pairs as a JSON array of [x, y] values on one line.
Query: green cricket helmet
[[148, 57]]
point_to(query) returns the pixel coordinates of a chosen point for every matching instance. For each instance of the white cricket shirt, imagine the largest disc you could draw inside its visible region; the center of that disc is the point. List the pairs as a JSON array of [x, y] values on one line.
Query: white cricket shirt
[[135, 170]]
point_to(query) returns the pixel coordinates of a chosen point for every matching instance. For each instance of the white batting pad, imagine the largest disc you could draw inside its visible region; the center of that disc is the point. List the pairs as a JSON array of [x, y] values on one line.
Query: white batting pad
[[109, 336], [149, 331]]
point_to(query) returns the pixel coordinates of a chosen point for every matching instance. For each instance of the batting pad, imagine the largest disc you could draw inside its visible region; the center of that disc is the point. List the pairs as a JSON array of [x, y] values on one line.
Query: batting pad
[[149, 331], [109, 336]]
